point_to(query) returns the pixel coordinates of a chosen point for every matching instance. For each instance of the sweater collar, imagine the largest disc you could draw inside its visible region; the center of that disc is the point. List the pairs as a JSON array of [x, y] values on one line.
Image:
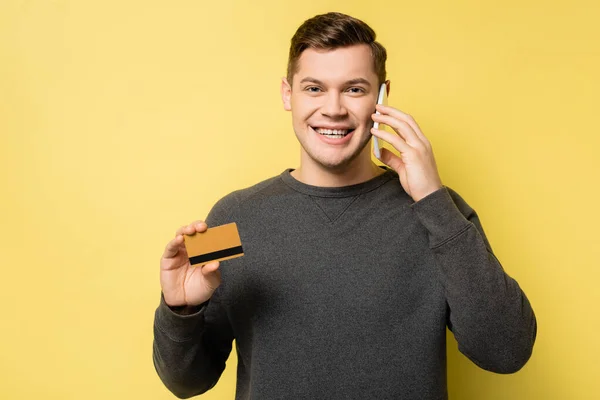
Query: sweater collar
[[341, 191]]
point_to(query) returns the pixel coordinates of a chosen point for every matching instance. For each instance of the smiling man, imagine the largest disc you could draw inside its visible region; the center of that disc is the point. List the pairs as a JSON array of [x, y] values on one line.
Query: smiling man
[[331, 103], [351, 272]]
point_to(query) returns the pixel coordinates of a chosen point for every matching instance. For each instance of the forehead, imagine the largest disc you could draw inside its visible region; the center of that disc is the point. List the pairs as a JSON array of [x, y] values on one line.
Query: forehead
[[337, 65]]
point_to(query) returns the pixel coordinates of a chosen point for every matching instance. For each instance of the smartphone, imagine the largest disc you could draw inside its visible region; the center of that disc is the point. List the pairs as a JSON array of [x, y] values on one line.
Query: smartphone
[[382, 98]]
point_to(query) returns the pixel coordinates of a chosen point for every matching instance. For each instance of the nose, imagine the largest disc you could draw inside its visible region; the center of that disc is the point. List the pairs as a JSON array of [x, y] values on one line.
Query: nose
[[334, 106]]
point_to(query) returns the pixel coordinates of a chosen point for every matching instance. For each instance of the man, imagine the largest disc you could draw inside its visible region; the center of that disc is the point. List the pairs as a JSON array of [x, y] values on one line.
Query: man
[[351, 272]]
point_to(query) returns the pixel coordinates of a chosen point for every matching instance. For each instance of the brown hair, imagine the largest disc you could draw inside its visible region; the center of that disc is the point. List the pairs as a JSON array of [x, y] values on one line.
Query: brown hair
[[330, 31]]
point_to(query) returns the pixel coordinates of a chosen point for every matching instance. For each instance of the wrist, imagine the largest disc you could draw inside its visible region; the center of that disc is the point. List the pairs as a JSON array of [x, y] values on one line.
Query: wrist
[[425, 193], [183, 309], [186, 310]]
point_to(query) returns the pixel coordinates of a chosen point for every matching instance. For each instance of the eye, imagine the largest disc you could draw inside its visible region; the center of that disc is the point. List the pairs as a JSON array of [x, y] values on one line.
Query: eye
[[312, 89], [356, 90]]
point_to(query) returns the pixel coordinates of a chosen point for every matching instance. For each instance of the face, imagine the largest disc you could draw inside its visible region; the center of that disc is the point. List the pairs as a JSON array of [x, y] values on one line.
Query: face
[[332, 98]]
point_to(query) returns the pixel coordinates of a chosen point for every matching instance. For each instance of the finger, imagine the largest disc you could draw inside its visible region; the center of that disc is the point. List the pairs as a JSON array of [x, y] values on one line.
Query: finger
[[200, 226], [196, 226], [190, 229], [393, 139], [402, 128], [173, 247], [394, 112]]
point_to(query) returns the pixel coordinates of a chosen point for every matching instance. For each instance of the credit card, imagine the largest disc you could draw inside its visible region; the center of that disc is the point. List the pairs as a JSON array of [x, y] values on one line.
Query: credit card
[[215, 244]]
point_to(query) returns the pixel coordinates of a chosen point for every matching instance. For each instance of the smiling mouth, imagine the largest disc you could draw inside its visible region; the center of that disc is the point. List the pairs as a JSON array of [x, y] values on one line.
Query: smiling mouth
[[333, 133]]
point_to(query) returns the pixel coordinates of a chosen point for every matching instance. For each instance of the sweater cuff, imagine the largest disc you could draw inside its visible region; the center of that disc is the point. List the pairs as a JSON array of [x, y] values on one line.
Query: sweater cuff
[[440, 216], [179, 327]]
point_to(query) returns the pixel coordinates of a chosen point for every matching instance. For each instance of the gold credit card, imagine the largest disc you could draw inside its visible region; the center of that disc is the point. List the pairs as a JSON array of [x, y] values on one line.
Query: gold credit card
[[215, 244]]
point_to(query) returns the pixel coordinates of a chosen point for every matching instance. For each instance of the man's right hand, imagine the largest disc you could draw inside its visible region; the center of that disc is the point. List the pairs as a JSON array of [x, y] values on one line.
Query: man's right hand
[[182, 284]]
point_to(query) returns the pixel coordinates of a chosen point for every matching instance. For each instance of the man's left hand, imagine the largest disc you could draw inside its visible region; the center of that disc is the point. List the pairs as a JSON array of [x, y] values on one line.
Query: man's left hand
[[416, 165]]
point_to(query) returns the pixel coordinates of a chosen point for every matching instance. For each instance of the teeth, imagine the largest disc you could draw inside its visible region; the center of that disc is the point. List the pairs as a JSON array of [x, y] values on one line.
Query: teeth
[[334, 133]]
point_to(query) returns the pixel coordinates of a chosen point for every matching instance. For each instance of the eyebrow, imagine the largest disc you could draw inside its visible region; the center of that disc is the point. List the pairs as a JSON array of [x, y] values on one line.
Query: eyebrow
[[354, 81]]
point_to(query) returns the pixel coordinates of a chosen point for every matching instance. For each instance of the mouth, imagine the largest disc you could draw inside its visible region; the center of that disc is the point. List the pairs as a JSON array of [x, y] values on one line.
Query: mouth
[[333, 133]]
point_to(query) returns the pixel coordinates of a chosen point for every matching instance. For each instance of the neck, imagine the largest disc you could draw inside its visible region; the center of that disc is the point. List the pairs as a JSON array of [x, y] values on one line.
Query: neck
[[360, 170]]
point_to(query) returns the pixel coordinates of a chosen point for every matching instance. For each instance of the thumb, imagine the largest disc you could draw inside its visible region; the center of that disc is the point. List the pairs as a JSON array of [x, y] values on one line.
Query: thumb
[[211, 274], [210, 267], [394, 161], [397, 164]]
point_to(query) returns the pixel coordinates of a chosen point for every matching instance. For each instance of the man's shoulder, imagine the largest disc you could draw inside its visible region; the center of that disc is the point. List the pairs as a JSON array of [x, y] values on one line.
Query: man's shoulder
[[258, 191], [228, 208]]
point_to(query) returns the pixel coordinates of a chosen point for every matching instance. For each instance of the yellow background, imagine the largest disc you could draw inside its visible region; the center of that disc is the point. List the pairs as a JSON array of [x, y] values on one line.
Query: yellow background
[[122, 120]]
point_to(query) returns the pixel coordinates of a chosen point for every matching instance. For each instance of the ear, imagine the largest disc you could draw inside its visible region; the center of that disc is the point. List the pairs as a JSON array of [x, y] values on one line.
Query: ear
[[387, 84], [286, 94]]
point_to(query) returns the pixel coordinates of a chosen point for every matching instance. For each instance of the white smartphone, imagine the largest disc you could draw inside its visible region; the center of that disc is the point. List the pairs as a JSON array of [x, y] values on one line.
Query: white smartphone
[[382, 98]]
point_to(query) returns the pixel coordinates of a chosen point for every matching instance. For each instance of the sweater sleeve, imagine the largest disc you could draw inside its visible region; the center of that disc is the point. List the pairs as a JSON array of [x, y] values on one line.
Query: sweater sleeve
[[190, 351], [490, 316]]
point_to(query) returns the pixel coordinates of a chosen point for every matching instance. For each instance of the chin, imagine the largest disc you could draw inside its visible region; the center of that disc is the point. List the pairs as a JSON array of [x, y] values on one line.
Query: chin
[[342, 161], [335, 163], [334, 166]]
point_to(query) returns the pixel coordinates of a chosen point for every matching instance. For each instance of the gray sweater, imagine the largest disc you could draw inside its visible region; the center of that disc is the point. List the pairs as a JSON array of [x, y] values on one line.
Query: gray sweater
[[345, 293]]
